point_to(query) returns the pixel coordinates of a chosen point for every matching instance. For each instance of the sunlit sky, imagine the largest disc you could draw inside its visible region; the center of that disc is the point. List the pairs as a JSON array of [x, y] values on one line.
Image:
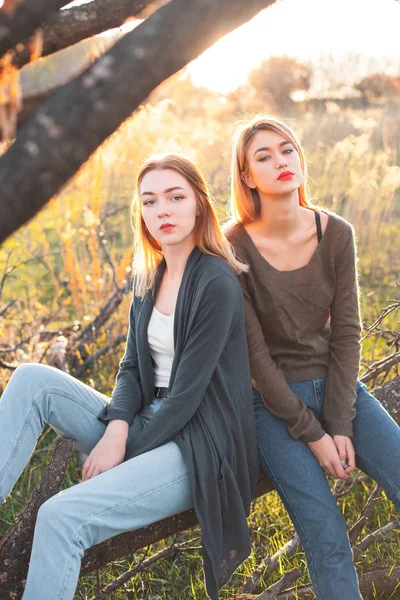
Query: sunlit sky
[[304, 29]]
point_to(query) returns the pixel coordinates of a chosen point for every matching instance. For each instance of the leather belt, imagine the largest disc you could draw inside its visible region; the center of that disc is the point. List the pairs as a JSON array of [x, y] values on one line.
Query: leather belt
[[160, 392]]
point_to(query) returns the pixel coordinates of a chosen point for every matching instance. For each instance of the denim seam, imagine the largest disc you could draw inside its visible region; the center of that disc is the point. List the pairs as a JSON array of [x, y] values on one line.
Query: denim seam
[[104, 513], [281, 492]]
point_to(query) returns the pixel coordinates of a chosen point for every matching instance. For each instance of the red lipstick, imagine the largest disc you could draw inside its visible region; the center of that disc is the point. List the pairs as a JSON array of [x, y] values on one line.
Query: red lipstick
[[285, 175], [167, 227]]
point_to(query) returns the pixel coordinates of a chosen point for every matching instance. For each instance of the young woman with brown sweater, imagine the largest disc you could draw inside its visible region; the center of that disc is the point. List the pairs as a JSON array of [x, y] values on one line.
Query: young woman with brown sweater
[[303, 331]]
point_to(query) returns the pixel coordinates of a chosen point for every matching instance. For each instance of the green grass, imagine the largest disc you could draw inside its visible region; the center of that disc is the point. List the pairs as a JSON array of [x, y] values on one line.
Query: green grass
[[181, 577]]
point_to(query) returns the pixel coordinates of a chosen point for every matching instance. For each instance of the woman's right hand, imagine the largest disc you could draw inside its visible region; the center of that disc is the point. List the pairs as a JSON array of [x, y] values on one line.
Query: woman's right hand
[[108, 452], [327, 455]]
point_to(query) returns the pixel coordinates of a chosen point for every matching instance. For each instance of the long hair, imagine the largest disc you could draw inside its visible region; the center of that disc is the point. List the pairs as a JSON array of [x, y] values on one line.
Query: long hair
[[208, 235], [244, 201]]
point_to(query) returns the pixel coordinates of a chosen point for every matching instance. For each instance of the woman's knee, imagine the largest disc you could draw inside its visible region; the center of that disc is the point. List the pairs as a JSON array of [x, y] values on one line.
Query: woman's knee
[[49, 514], [33, 375]]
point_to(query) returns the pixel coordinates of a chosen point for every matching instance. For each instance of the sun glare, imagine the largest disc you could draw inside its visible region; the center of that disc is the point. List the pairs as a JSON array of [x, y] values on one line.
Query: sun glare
[[304, 29]]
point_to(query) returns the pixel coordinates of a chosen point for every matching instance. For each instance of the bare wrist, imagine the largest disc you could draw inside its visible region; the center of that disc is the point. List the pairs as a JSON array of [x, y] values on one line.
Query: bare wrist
[[118, 428]]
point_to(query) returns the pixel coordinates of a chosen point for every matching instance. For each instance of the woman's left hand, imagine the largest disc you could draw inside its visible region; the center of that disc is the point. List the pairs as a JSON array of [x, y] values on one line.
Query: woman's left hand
[[346, 452]]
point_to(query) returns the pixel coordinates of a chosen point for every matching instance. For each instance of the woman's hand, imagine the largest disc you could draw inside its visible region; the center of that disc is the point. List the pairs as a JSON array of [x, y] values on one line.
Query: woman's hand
[[327, 455], [346, 451], [108, 452]]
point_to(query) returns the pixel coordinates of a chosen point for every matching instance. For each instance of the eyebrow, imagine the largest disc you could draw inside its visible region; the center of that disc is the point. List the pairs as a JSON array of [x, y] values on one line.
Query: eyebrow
[[267, 148], [171, 189]]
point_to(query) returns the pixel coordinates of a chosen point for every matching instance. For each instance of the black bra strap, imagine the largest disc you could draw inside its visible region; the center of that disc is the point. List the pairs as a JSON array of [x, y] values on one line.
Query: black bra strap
[[318, 224]]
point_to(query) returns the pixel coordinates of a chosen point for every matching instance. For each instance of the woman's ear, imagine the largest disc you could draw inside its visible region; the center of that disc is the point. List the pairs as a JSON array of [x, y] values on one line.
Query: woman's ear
[[248, 180]]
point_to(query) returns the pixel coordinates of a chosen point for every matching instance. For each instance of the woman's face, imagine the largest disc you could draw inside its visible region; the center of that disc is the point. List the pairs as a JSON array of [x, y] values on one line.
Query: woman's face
[[274, 166], [169, 207]]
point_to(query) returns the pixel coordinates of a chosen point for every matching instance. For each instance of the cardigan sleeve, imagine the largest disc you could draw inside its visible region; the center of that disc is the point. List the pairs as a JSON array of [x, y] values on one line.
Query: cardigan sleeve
[[209, 332], [126, 398], [344, 345], [269, 380]]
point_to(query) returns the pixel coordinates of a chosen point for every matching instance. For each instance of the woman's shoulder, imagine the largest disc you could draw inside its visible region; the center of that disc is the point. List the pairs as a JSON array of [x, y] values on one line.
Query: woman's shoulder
[[234, 233], [215, 273], [338, 228]]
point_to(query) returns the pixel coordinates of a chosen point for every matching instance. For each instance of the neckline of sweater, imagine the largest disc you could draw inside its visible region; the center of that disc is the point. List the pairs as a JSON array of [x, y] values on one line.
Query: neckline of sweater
[[256, 252]]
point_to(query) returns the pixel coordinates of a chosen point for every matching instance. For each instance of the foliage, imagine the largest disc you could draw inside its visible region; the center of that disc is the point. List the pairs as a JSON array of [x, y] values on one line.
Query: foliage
[[276, 78], [379, 85]]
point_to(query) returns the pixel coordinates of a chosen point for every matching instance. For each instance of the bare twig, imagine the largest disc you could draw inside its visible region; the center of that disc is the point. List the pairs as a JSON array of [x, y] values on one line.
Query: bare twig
[[380, 367], [269, 564], [343, 487], [7, 306], [376, 536], [366, 513], [385, 312], [172, 550], [93, 357], [79, 345], [287, 579], [103, 244]]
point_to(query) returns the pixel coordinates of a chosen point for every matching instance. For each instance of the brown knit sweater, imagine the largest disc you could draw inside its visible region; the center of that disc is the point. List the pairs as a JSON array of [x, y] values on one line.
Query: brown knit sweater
[[303, 324]]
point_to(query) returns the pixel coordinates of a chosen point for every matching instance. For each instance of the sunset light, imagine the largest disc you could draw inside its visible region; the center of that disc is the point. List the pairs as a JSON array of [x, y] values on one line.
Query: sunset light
[[305, 30]]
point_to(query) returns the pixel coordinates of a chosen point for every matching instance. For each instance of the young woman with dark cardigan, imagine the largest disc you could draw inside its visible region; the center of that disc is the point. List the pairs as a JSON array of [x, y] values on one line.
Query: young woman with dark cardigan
[[303, 330], [179, 428]]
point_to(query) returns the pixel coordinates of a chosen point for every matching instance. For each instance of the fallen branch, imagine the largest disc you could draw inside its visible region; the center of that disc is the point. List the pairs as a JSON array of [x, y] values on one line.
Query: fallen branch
[[373, 584], [366, 513], [15, 546], [376, 536], [268, 565], [273, 590], [380, 367], [142, 566]]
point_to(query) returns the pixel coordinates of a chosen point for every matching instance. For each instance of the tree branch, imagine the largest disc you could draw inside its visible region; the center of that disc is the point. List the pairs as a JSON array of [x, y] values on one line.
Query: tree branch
[[268, 565], [75, 24], [365, 515], [380, 367], [28, 16], [73, 122]]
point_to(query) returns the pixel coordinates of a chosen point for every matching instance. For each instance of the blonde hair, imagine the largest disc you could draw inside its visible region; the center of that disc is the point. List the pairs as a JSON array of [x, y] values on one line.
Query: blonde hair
[[244, 201], [208, 235]]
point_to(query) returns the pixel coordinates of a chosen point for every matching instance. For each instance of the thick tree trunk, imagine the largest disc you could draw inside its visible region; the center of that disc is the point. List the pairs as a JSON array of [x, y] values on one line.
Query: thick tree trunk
[[73, 122]]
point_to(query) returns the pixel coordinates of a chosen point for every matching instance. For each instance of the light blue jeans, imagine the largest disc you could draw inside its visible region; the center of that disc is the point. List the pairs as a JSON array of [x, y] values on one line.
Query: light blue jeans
[[304, 490], [140, 491]]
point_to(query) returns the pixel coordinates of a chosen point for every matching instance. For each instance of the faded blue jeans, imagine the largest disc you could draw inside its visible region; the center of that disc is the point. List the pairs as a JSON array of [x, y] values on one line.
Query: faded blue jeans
[[140, 491], [304, 490]]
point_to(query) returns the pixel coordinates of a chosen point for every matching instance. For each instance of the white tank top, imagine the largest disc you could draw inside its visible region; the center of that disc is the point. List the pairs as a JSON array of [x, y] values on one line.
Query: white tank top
[[160, 335]]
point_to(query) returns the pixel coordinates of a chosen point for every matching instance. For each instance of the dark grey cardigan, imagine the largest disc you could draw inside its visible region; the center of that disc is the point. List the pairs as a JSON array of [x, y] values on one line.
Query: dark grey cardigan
[[209, 409]]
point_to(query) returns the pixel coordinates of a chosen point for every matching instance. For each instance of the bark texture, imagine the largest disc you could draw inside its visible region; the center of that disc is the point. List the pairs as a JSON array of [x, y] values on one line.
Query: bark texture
[[19, 25], [15, 546], [65, 130], [70, 26]]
